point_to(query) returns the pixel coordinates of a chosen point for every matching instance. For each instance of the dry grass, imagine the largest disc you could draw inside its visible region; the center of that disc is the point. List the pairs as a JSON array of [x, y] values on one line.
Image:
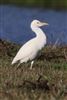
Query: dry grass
[[46, 81]]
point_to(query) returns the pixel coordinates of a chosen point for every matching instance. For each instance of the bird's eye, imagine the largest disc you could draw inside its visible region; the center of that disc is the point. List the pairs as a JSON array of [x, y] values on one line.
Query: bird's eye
[[37, 22]]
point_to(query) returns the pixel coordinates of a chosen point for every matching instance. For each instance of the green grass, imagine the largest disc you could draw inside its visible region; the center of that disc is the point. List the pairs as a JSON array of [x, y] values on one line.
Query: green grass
[[46, 81], [54, 4]]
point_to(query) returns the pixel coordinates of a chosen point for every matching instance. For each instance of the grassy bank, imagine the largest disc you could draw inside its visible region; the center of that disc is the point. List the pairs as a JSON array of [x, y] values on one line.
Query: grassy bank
[[46, 81], [55, 4]]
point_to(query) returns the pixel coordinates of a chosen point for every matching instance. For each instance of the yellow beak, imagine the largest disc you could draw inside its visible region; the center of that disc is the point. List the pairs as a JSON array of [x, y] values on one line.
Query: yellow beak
[[42, 24]]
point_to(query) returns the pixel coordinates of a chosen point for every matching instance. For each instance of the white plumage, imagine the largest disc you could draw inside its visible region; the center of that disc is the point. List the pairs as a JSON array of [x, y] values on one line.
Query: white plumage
[[30, 49]]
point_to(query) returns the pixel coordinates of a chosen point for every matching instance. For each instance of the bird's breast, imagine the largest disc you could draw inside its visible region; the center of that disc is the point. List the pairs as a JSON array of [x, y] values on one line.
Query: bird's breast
[[41, 41]]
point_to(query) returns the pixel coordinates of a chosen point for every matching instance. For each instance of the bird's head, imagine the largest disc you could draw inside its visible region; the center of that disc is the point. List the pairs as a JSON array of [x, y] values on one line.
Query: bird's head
[[37, 23]]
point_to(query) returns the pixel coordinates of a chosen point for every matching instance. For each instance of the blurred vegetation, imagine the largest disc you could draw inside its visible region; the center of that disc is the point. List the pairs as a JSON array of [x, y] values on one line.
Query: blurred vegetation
[[55, 4]]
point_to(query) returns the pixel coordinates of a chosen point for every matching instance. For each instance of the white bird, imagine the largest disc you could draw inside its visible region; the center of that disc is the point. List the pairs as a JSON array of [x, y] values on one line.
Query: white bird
[[29, 50]]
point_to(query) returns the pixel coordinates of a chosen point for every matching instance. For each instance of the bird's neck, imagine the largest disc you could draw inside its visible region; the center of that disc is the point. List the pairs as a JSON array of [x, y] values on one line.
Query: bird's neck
[[39, 33]]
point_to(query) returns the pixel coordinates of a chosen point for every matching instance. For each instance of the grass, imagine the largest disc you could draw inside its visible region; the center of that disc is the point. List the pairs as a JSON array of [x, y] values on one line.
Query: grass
[[46, 81]]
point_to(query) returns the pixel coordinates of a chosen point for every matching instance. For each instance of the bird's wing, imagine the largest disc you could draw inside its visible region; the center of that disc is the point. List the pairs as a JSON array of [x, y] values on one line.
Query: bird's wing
[[26, 50]]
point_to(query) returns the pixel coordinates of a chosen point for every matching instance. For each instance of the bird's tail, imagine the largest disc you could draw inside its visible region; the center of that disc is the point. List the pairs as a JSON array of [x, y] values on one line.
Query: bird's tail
[[14, 61]]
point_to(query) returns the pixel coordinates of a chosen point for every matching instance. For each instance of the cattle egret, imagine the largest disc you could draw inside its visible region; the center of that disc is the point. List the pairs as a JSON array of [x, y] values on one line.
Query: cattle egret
[[29, 50]]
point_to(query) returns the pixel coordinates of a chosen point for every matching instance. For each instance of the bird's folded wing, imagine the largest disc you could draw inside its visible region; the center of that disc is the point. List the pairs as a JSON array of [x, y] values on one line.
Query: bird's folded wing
[[24, 51]]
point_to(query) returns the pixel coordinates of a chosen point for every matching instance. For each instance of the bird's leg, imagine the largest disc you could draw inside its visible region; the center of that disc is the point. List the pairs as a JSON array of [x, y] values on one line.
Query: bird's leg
[[18, 65], [31, 65]]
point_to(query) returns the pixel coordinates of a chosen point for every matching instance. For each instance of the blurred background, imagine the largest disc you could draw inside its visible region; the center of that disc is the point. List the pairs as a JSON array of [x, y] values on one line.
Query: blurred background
[[54, 4], [16, 16]]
